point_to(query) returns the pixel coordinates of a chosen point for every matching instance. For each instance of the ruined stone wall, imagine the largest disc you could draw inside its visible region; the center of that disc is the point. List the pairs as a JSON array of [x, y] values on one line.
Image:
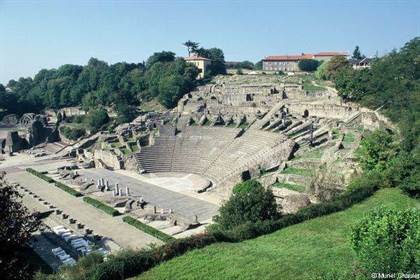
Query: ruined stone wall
[[331, 111], [108, 158]]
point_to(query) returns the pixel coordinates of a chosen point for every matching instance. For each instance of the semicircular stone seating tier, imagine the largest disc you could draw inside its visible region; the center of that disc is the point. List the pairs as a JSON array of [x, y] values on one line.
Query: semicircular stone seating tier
[[217, 153]]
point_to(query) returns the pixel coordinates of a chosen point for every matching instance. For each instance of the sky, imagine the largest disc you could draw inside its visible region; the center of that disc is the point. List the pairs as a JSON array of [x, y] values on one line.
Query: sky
[[46, 34]]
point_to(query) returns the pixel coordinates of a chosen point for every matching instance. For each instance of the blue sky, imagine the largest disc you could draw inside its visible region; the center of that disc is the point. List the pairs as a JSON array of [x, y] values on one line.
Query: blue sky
[[46, 34]]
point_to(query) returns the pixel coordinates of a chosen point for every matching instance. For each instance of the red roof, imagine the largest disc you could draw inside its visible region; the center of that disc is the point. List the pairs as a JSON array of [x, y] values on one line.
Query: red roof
[[330, 54], [289, 57], [195, 57]]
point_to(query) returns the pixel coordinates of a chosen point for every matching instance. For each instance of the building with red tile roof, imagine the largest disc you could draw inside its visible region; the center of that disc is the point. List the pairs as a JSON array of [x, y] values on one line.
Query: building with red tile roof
[[289, 63], [201, 62]]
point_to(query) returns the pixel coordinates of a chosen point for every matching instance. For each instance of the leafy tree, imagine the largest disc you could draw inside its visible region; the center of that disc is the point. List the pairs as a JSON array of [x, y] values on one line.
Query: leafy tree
[[217, 58], [96, 118], [357, 54], [321, 71], [249, 202], [334, 65], [169, 81], [125, 113], [72, 133], [16, 227], [308, 65], [376, 151], [160, 57], [388, 241], [392, 84], [258, 65], [191, 46], [170, 88], [245, 65]]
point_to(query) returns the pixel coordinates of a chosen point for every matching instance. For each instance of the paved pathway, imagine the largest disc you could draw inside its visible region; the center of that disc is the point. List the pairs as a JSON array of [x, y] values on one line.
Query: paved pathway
[[183, 205]]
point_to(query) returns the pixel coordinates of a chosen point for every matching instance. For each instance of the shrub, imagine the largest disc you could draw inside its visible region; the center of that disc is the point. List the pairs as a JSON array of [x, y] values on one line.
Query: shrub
[[131, 263], [147, 229], [107, 209], [68, 189], [96, 118], [249, 202], [40, 175], [376, 150], [72, 133], [388, 241]]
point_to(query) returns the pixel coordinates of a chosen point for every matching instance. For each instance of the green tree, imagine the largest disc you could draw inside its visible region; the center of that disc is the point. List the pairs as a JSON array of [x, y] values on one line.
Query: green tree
[[245, 65], [191, 46], [388, 241], [357, 54], [334, 65], [16, 228], [376, 151], [308, 65], [163, 56], [125, 113], [217, 58], [258, 65], [249, 202], [96, 118], [170, 90]]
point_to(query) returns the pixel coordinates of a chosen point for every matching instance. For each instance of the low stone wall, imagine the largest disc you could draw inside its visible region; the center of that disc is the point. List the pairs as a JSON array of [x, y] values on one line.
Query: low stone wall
[[331, 111]]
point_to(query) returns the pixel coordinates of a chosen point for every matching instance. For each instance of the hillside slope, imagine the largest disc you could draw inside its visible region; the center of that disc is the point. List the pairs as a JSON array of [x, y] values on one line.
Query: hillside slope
[[296, 252]]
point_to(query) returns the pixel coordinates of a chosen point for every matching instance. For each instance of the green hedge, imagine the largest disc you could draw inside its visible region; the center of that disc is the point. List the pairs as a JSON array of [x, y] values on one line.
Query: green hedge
[[40, 175], [68, 189], [107, 209], [148, 229], [132, 263]]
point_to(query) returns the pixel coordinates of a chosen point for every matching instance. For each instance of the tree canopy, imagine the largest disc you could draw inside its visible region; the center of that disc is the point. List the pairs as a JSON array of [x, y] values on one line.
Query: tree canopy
[[249, 202], [357, 54], [191, 46], [96, 118], [120, 85], [391, 84], [245, 65], [16, 227], [308, 65], [217, 58]]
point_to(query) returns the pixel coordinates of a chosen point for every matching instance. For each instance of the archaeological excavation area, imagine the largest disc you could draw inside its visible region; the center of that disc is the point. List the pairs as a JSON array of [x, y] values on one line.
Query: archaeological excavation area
[[165, 175]]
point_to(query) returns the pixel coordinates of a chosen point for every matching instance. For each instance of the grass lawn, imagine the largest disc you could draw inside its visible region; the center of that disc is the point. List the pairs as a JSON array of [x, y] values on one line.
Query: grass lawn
[[296, 171], [311, 154], [293, 187], [349, 138], [308, 86], [296, 252]]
